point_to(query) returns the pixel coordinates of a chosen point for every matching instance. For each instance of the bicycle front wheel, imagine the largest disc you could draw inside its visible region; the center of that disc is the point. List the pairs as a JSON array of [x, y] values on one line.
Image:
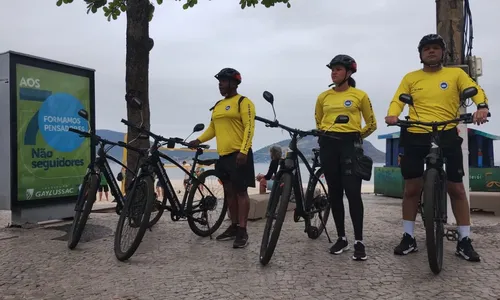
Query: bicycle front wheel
[[276, 210], [202, 201], [83, 207], [135, 216], [433, 220]]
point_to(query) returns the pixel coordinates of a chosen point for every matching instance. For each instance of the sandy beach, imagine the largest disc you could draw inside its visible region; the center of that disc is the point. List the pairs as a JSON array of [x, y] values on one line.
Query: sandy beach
[[366, 188]]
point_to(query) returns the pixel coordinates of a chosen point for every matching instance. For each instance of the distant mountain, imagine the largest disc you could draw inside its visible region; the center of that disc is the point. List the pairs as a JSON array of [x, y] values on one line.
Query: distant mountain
[[177, 155], [308, 143], [260, 156]]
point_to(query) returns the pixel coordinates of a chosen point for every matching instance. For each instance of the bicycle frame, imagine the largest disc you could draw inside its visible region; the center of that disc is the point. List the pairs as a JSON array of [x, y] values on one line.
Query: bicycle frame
[[435, 160], [177, 208], [102, 163], [291, 165]]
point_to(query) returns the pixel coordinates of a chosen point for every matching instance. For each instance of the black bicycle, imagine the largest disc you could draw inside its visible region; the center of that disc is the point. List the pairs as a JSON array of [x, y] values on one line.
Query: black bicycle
[[433, 200], [88, 189], [138, 213], [289, 178]]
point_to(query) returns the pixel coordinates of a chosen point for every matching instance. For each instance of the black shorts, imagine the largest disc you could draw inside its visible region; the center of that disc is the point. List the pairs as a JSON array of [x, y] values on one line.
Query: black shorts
[[241, 177], [416, 146], [103, 187]]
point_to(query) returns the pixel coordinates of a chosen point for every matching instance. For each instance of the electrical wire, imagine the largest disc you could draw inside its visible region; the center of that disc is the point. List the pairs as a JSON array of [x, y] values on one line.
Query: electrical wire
[[468, 31], [468, 38]]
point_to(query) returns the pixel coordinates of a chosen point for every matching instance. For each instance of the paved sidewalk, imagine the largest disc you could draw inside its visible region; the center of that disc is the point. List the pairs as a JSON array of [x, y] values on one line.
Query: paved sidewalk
[[173, 263]]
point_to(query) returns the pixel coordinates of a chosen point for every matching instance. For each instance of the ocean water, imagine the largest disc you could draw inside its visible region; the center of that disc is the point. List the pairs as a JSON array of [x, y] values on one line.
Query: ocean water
[[175, 173]]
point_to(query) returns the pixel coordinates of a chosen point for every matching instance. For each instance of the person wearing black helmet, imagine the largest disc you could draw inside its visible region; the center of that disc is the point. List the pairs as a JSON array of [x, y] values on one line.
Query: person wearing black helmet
[[232, 125], [436, 95], [339, 157]]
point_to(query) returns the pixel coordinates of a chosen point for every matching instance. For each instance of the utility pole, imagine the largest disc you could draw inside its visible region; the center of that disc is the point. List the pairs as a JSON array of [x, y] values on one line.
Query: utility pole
[[449, 21]]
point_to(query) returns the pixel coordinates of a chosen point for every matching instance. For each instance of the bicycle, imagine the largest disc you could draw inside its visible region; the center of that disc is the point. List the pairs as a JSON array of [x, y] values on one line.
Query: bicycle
[[289, 178], [178, 210], [87, 193], [161, 206], [433, 196]]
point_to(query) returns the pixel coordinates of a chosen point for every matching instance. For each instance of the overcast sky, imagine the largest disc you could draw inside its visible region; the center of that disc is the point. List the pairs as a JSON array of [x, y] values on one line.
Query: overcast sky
[[278, 49]]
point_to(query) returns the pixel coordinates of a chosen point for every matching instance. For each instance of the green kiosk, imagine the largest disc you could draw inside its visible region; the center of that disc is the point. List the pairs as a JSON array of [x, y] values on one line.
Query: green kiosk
[[484, 176]]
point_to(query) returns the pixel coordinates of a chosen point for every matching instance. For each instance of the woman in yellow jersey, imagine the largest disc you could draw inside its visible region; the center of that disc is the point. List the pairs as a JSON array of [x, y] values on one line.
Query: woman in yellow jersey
[[233, 124], [339, 158]]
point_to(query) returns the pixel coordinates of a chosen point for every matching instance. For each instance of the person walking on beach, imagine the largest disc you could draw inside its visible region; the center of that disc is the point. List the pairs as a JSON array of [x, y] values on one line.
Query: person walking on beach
[[339, 157], [103, 186], [232, 124]]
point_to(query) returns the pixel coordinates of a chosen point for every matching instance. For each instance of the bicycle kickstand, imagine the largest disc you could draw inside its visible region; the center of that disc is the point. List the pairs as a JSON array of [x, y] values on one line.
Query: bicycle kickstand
[[324, 228], [208, 225]]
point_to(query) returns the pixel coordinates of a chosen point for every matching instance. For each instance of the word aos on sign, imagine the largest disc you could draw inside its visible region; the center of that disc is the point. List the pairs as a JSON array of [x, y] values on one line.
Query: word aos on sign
[[29, 82]]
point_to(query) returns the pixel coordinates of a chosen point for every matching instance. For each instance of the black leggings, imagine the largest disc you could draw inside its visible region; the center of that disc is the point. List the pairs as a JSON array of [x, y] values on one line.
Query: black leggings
[[337, 164]]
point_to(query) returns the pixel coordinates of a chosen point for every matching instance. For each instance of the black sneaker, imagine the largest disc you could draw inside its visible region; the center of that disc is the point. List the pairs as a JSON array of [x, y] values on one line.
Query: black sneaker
[[466, 251], [229, 234], [408, 245], [359, 251], [241, 240], [340, 246]]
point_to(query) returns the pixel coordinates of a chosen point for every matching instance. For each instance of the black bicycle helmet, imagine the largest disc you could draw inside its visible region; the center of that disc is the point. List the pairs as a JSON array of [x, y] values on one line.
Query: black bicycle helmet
[[344, 60], [431, 39], [229, 73]]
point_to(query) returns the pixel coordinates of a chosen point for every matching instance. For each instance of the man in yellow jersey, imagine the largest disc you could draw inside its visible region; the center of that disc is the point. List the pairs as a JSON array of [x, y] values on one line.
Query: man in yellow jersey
[[233, 124], [436, 94], [340, 154]]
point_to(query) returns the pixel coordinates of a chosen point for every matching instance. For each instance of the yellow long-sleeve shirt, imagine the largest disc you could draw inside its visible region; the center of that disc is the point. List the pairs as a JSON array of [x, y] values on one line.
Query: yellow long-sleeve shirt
[[232, 128], [436, 96], [352, 102]]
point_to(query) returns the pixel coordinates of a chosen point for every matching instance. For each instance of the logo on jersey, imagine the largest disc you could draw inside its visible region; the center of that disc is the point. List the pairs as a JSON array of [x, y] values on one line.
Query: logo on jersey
[[348, 103], [443, 85], [228, 107]]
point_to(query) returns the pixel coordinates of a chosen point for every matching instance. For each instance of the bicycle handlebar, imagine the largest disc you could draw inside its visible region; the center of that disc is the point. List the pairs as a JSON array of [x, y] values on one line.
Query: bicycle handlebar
[[466, 118], [313, 132], [81, 133], [98, 139], [160, 138]]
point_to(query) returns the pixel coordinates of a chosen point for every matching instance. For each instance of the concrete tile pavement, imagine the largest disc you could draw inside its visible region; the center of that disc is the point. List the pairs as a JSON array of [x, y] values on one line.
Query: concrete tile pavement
[[173, 263]]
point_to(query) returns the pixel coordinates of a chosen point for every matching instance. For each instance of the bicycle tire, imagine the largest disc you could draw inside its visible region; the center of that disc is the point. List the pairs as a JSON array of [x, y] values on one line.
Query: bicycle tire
[[89, 186], [281, 187], [315, 232], [123, 255], [161, 208], [434, 227], [192, 192]]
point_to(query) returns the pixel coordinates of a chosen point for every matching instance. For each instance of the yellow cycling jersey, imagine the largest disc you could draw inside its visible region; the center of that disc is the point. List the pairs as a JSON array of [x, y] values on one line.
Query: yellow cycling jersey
[[436, 96], [352, 102], [232, 125]]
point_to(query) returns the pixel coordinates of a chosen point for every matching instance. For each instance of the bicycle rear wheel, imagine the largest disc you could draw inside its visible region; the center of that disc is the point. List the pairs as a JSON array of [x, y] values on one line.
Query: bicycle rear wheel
[[136, 213], [278, 200], [318, 205], [433, 219], [209, 201], [83, 207], [157, 211]]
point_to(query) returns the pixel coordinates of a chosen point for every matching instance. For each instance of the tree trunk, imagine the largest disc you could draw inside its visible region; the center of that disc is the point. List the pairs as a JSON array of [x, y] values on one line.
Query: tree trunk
[[449, 19], [137, 75]]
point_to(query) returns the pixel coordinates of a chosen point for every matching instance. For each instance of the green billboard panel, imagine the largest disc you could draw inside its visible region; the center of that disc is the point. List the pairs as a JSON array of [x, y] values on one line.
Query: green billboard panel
[[51, 160]]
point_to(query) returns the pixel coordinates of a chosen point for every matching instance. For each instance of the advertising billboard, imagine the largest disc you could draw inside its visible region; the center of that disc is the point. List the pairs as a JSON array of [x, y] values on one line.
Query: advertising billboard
[[51, 160]]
